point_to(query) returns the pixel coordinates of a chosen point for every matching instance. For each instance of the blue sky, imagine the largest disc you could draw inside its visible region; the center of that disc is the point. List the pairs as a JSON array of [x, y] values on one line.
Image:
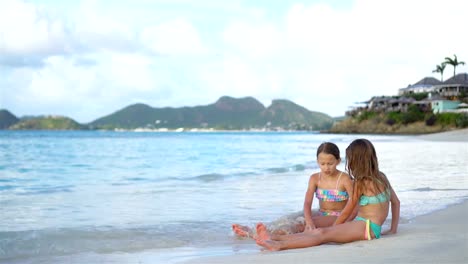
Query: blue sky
[[86, 59]]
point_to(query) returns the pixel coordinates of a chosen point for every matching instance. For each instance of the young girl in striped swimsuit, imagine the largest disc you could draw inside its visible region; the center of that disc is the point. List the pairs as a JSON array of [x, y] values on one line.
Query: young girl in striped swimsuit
[[331, 187]]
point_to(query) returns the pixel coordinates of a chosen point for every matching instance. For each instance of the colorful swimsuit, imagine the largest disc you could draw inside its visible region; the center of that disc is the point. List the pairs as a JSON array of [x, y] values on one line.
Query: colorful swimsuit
[[365, 200], [331, 195], [329, 213]]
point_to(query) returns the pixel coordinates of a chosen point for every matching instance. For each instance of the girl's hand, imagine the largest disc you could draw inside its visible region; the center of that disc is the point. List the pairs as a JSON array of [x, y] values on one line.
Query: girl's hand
[[388, 232], [309, 228]]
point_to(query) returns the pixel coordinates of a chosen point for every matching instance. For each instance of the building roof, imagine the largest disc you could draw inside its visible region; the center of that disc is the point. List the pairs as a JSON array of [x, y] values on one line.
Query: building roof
[[390, 99], [428, 81], [461, 78], [433, 97]]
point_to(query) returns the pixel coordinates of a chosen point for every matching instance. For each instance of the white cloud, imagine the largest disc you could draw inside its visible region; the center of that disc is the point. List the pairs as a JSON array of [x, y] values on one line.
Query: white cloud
[[316, 28], [94, 59], [95, 28], [25, 30], [255, 41], [175, 37], [374, 48], [60, 87], [130, 72]]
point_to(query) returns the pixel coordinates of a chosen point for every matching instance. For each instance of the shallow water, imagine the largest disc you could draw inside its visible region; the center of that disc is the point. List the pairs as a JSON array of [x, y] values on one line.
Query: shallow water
[[98, 194]]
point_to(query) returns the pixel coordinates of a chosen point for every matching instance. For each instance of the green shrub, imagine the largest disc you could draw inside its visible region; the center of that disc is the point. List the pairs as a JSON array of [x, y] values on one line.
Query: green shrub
[[462, 95], [414, 114], [366, 115], [461, 120], [447, 119], [393, 118], [418, 96]]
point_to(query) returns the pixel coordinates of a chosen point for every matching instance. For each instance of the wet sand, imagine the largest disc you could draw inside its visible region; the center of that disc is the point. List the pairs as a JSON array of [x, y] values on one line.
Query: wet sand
[[439, 237]]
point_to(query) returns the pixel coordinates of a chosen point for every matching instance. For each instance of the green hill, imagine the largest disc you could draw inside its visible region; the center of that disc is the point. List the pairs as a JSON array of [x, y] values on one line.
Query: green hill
[[7, 119], [284, 113], [226, 113], [47, 123]]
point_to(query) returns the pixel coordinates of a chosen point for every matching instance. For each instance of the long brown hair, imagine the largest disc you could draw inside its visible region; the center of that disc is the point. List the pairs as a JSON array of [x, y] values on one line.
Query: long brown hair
[[363, 165]]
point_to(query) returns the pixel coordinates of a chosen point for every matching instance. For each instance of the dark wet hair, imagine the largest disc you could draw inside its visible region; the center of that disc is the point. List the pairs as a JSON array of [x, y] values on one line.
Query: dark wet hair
[[329, 148]]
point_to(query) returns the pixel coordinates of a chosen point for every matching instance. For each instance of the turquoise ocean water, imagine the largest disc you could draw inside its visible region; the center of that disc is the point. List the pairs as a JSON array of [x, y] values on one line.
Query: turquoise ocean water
[[113, 197]]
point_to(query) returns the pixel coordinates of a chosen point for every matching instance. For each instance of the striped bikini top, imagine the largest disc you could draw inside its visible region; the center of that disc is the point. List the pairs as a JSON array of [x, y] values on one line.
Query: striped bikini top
[[331, 195]]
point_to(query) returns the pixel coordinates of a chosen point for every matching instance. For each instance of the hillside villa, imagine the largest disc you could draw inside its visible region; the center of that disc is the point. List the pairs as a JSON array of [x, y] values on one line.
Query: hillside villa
[[441, 97]]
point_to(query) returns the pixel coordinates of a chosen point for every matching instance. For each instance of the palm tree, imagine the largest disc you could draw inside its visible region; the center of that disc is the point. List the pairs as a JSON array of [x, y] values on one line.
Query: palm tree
[[454, 62], [440, 68]]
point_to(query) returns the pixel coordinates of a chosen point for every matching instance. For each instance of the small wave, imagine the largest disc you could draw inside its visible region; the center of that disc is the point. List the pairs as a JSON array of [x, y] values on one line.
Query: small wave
[[78, 165], [106, 239], [429, 189], [277, 170], [422, 189], [136, 179], [7, 187], [210, 177], [297, 167], [7, 180], [24, 170], [120, 184], [47, 190], [200, 178]]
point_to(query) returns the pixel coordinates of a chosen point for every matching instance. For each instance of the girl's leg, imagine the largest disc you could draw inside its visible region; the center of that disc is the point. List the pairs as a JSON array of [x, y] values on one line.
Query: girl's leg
[[324, 221], [278, 237], [344, 233], [245, 231], [264, 234], [320, 221], [285, 230]]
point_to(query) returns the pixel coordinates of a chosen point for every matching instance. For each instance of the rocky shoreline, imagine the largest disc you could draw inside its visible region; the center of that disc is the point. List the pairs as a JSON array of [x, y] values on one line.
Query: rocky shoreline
[[352, 126]]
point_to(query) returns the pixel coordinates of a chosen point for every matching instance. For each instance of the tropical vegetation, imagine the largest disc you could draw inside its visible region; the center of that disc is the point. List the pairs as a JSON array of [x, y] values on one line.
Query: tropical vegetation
[[47, 123], [454, 62], [440, 69], [414, 119]]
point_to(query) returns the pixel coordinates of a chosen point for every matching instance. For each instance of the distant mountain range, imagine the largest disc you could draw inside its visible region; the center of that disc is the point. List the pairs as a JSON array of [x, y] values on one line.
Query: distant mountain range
[[227, 113]]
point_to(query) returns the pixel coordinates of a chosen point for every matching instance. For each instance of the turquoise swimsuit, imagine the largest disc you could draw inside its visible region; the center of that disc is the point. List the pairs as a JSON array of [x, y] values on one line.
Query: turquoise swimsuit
[[379, 198], [365, 200]]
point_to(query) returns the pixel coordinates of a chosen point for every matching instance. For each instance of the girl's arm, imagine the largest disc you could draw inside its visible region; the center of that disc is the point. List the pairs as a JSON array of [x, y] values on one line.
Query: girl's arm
[[353, 214], [348, 212], [349, 189], [309, 197], [395, 204]]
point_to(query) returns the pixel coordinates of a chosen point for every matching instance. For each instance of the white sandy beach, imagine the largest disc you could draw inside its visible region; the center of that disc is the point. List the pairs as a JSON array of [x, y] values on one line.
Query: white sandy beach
[[460, 135], [439, 237]]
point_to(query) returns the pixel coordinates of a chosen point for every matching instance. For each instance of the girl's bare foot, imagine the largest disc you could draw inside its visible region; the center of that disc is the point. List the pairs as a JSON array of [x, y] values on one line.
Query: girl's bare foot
[[241, 231], [269, 244], [262, 232]]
